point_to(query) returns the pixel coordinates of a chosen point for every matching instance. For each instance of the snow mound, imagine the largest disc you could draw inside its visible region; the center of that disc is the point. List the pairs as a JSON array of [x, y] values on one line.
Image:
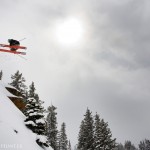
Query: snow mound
[[13, 132]]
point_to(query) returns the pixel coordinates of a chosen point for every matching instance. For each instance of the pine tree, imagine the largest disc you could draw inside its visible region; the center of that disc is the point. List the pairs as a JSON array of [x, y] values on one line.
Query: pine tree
[[86, 136], [108, 142], [119, 147], [97, 133], [18, 81], [129, 146], [52, 127], [32, 92], [102, 135], [1, 75], [144, 145], [31, 112], [58, 140], [31, 95], [35, 118], [63, 138], [81, 142]]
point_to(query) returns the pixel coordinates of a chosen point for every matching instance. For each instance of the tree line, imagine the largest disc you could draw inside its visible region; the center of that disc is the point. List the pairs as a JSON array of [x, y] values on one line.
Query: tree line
[[94, 132]]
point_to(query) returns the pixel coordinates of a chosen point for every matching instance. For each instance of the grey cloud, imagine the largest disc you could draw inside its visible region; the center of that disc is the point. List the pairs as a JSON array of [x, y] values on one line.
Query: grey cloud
[[124, 28], [109, 74]]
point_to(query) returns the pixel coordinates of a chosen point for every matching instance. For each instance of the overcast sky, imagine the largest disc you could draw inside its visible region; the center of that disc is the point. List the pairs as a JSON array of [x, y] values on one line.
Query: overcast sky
[[107, 71]]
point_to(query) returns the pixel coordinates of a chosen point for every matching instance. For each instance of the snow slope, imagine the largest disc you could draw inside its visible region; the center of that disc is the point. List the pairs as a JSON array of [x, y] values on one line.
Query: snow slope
[[13, 132]]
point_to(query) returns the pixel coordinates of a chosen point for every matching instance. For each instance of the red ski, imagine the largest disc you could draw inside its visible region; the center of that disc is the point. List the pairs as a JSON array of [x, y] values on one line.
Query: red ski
[[14, 52], [13, 46]]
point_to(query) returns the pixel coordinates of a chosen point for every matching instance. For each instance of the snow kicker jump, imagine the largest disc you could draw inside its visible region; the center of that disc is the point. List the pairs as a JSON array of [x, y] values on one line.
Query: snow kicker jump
[[13, 47]]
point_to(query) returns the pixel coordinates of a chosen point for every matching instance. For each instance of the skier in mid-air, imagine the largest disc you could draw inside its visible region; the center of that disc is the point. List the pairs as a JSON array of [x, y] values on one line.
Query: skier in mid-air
[[13, 42], [13, 47]]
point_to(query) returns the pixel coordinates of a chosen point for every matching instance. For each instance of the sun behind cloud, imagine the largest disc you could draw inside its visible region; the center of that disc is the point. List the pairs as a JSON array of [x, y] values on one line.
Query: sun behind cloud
[[69, 32]]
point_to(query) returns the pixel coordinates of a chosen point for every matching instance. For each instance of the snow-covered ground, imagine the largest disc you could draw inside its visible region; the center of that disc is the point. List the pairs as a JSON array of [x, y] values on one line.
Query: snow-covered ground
[[13, 132]]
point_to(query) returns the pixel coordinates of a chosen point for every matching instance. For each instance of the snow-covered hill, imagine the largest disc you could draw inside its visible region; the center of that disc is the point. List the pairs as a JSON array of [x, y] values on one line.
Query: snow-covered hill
[[13, 132]]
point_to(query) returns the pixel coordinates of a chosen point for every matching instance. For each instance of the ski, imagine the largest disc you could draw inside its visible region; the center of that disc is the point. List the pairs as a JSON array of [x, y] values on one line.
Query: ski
[[14, 52], [13, 46]]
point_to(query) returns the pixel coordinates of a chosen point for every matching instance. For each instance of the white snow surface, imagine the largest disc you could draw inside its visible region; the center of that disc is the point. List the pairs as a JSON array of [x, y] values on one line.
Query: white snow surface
[[4, 91], [40, 121], [30, 122], [33, 114], [13, 132], [42, 138]]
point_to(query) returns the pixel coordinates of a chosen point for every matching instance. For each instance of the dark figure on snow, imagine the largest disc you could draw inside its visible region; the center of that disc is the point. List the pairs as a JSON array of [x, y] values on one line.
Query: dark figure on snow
[[13, 42]]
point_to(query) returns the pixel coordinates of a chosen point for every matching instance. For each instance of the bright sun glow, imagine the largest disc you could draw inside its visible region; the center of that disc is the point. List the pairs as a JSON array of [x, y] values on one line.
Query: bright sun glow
[[69, 32]]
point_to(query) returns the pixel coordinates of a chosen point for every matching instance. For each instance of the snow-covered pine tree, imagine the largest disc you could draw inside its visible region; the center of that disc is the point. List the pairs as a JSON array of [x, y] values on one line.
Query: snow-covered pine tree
[[1, 75], [81, 142], [97, 133], [31, 112], [32, 93], [51, 129], [129, 146], [63, 142], [144, 145], [119, 147], [86, 134], [35, 117], [102, 135], [18, 81], [58, 140], [106, 141]]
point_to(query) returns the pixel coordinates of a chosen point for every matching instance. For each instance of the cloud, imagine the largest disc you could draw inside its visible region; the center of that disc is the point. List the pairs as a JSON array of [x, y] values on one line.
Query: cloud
[[121, 28], [109, 73]]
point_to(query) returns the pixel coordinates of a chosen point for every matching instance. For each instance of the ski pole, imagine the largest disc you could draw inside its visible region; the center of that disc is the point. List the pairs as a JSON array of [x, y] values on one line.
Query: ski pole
[[22, 39], [21, 57]]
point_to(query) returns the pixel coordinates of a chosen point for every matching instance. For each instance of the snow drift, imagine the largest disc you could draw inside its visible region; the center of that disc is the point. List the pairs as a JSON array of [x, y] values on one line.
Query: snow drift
[[13, 132]]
